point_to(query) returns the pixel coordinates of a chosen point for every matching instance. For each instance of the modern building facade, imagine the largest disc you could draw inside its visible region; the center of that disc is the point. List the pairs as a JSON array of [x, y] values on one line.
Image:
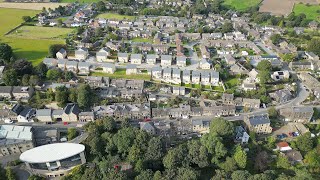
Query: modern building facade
[[54, 160]]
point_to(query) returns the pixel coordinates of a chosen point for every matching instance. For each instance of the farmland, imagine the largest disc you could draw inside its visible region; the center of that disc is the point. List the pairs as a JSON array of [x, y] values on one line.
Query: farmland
[[241, 5], [34, 32], [33, 50], [31, 6], [115, 16], [310, 11], [276, 8]]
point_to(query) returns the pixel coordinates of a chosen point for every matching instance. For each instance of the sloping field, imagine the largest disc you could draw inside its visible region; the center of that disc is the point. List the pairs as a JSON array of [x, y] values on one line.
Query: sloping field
[[31, 6], [35, 32], [310, 11], [241, 5], [283, 7]]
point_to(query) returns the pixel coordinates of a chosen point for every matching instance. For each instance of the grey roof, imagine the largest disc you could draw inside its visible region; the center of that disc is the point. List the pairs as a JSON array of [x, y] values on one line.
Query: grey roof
[[62, 51], [71, 63], [81, 51], [167, 70], [156, 68], [181, 58], [123, 55], [57, 112], [43, 112], [214, 74], [90, 113], [151, 56], [84, 64], [136, 56], [71, 108], [5, 89], [303, 109], [131, 66], [186, 72], [21, 89], [176, 71], [259, 119], [49, 60], [195, 73], [108, 65], [62, 61], [205, 74], [166, 57]]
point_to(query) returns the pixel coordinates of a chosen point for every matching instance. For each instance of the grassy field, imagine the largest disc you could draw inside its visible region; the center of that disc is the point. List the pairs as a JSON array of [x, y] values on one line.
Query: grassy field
[[121, 74], [143, 40], [241, 5], [80, 1], [34, 32], [309, 11], [33, 50], [30, 6], [115, 16]]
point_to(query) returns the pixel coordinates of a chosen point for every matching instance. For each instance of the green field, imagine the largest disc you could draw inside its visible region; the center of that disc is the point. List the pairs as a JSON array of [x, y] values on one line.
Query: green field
[[115, 16], [310, 11], [34, 32], [241, 5], [33, 50], [142, 40], [121, 74]]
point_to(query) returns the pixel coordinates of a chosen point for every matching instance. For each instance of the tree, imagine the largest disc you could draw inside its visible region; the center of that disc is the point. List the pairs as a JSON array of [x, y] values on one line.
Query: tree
[[275, 38], [305, 142], [313, 46], [288, 57], [22, 67], [54, 48], [54, 74], [10, 77], [264, 65], [229, 165], [10, 174], [5, 52], [261, 161], [109, 124], [41, 70], [283, 162], [72, 133], [25, 80], [197, 154], [240, 175], [61, 96], [34, 80], [26, 18], [227, 27], [264, 77], [145, 175], [221, 127], [36, 177], [273, 113], [59, 22], [84, 96], [240, 156], [312, 158], [187, 173], [73, 95], [68, 75]]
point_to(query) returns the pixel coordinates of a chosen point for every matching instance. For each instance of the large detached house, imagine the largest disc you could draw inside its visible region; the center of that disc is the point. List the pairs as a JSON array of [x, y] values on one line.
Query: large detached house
[[81, 53]]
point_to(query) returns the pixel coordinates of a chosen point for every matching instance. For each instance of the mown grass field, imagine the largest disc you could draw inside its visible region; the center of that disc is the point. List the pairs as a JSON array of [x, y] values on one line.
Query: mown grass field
[[33, 50], [115, 16], [310, 11], [35, 32], [143, 40], [241, 5], [121, 74]]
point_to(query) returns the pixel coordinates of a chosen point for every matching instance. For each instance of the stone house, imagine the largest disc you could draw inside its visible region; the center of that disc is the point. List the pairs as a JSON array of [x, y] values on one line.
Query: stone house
[[81, 53], [61, 54], [131, 69], [102, 54], [136, 58], [259, 124], [70, 113], [166, 60], [108, 68], [123, 57]]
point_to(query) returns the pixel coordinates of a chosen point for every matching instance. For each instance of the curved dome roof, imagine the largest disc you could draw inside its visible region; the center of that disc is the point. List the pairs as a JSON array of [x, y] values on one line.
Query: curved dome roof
[[51, 152]]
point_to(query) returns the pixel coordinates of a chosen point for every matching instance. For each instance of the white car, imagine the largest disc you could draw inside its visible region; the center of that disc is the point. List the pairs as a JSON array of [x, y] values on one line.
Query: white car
[[8, 121]]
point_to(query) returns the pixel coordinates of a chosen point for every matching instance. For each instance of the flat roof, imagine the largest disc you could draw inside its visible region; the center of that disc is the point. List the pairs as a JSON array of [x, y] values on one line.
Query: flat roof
[[51, 152]]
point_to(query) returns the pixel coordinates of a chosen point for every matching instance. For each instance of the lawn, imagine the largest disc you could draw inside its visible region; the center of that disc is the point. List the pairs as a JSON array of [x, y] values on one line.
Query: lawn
[[115, 16], [121, 74], [142, 40], [241, 5], [35, 32], [309, 10], [232, 82], [33, 50]]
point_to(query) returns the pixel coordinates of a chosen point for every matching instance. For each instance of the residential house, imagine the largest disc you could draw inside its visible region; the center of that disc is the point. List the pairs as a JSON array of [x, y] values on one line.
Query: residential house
[[281, 96], [227, 99], [249, 86], [97, 81], [280, 75], [44, 115], [204, 52], [186, 76], [200, 126], [148, 127], [136, 58], [205, 78], [151, 59], [123, 57], [251, 103], [237, 68], [72, 66], [195, 77], [301, 114], [70, 113], [161, 48], [313, 25], [6, 92], [108, 68], [131, 69], [259, 124], [61, 54], [84, 68], [26, 115], [301, 65], [102, 54], [310, 81], [50, 62], [214, 79], [167, 74], [62, 64], [81, 53], [283, 146], [229, 59], [241, 136], [22, 93], [181, 61], [86, 116], [166, 60], [156, 72], [204, 64], [178, 91], [176, 76], [294, 156]]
